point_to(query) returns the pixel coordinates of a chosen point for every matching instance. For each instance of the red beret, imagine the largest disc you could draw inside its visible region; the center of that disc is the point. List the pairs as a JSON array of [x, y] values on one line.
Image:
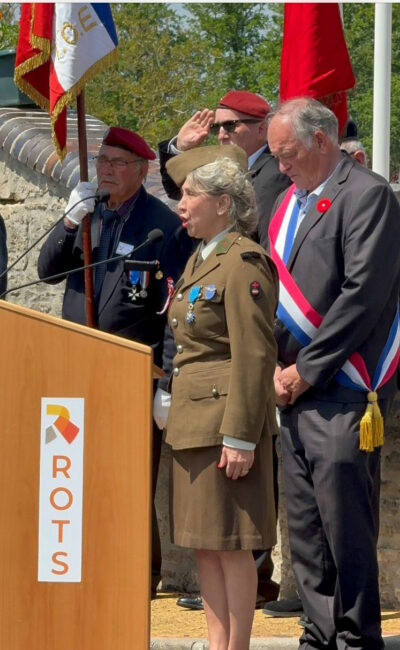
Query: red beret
[[116, 136], [245, 102]]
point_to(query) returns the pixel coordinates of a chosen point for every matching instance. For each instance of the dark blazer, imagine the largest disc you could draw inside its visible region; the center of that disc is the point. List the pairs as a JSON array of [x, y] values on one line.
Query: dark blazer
[[3, 255], [117, 312], [346, 262], [264, 175]]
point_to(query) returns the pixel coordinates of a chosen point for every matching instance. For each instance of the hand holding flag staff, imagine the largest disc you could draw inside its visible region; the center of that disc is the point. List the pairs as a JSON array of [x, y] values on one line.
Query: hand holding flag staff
[[62, 46]]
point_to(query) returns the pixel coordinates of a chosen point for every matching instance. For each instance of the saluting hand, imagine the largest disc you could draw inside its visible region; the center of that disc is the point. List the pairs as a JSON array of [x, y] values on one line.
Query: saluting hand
[[195, 130], [238, 462]]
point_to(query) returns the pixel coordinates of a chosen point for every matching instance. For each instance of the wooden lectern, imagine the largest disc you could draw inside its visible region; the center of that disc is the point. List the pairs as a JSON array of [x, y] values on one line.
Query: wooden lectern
[[43, 356]]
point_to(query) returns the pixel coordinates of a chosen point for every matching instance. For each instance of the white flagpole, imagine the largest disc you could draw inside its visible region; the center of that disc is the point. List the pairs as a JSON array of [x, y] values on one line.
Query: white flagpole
[[382, 79]]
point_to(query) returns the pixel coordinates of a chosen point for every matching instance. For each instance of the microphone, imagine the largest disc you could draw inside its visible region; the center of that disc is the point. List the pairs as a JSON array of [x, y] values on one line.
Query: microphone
[[100, 195], [153, 235]]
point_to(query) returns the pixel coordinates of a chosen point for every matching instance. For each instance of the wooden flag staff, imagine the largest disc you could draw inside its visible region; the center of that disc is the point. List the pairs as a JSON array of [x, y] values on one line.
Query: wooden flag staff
[[86, 236]]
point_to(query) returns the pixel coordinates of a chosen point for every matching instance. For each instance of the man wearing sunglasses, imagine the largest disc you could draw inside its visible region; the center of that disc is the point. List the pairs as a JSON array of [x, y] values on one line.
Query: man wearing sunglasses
[[240, 118], [129, 304]]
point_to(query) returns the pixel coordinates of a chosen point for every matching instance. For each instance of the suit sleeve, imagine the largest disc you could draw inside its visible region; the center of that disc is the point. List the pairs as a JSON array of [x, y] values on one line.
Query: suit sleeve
[[371, 263], [253, 349], [172, 190], [56, 253]]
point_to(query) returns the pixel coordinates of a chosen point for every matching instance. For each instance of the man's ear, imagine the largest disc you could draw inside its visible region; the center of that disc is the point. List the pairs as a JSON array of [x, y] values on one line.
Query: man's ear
[[321, 139]]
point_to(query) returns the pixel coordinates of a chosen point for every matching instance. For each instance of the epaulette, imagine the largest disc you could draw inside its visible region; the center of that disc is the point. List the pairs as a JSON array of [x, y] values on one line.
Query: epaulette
[[223, 246]]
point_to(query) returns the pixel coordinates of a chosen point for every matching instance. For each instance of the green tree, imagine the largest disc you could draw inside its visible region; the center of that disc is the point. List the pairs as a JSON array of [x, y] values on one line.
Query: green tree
[[241, 40], [159, 76], [171, 64], [359, 31], [8, 25]]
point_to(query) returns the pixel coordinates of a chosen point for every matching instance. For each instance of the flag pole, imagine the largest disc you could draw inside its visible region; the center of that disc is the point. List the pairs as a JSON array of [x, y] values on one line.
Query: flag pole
[[382, 79], [86, 236]]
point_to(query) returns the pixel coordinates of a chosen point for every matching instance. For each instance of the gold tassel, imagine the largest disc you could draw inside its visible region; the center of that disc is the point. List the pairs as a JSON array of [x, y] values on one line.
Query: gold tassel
[[371, 425]]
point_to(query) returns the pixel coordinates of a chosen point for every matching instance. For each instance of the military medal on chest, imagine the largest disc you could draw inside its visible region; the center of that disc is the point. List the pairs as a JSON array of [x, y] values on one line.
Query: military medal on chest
[[209, 291], [134, 290], [144, 283], [140, 282], [194, 294]]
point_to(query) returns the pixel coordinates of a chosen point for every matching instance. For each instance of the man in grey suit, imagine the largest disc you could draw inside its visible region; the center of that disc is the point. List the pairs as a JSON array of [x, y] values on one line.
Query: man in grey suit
[[332, 237]]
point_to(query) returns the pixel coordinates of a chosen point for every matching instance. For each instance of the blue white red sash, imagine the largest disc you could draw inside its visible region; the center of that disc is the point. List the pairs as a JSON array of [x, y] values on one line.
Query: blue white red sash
[[303, 321]]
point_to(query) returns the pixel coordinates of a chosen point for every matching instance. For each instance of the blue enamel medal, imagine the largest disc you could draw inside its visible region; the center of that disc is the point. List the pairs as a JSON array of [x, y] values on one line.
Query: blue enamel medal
[[210, 291], [194, 294]]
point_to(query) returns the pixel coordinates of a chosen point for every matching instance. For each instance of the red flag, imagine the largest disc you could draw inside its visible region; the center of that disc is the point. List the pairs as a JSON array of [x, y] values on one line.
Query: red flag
[[315, 61], [33, 64]]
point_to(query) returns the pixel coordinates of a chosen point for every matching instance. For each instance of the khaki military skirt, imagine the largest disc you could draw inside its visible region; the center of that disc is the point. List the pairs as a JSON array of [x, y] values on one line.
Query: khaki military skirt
[[210, 511]]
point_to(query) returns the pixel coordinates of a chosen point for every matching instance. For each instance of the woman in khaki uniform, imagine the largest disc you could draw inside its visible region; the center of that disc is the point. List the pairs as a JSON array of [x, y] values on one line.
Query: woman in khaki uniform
[[222, 413]]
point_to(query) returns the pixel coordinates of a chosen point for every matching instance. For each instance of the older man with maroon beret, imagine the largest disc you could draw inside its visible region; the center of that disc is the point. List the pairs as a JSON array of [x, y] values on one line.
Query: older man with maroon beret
[[128, 303], [240, 118]]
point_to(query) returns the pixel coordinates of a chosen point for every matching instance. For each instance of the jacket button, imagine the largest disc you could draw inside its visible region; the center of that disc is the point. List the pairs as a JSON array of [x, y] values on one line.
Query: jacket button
[[179, 296], [176, 371], [214, 391], [174, 322], [179, 348]]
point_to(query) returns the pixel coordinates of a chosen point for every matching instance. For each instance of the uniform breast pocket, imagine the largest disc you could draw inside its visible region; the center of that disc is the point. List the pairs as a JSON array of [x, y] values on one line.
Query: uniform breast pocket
[[206, 316]]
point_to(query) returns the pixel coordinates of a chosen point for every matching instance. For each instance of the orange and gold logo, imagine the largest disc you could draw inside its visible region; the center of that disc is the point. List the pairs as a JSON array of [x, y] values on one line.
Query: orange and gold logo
[[62, 424]]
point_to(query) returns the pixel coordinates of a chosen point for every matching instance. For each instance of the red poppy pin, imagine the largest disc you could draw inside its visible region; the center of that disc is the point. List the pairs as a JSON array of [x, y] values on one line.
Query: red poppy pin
[[323, 205]]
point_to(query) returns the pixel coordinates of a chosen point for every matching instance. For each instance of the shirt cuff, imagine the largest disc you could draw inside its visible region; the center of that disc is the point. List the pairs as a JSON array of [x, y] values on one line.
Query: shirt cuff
[[236, 443], [172, 148]]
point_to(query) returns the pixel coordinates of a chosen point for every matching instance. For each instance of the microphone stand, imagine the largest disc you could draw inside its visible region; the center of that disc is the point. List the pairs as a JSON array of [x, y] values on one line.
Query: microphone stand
[[154, 235], [53, 225]]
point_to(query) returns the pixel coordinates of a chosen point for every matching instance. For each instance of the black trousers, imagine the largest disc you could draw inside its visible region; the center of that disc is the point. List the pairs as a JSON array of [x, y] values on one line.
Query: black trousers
[[332, 491]]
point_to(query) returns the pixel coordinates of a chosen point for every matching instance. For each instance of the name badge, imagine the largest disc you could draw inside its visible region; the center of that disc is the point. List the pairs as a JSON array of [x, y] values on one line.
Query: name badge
[[124, 249]]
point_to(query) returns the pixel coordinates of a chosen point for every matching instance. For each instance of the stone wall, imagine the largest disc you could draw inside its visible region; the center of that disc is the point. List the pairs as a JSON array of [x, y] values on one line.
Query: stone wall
[[30, 201]]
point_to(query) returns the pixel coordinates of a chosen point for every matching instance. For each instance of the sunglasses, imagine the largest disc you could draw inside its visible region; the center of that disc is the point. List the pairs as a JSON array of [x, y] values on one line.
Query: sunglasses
[[230, 125]]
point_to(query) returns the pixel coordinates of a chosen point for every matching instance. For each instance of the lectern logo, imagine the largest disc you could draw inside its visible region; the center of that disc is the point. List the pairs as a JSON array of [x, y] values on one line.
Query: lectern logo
[[61, 489], [62, 424]]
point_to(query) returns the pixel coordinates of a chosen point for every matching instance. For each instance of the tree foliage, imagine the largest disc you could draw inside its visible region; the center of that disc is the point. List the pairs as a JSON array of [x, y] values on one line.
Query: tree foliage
[[8, 26], [171, 64], [359, 32]]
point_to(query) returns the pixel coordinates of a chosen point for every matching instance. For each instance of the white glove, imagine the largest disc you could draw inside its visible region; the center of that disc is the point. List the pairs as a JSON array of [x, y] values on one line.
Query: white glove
[[161, 404], [80, 193]]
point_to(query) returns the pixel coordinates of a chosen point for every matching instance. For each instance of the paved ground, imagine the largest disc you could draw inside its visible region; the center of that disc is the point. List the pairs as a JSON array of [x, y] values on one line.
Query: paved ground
[[174, 628]]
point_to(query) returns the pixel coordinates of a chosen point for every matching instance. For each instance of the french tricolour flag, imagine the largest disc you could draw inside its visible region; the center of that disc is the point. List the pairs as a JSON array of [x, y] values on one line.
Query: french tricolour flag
[[61, 46]]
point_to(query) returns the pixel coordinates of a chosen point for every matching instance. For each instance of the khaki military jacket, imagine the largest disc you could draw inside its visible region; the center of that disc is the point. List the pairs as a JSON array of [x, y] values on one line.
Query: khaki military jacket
[[222, 316]]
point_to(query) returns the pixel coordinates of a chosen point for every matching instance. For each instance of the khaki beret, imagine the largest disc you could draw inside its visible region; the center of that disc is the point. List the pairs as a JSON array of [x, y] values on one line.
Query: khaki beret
[[181, 165]]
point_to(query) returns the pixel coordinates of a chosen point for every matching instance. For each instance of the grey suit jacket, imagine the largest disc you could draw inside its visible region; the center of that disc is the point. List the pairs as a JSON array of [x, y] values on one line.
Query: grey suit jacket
[[346, 262]]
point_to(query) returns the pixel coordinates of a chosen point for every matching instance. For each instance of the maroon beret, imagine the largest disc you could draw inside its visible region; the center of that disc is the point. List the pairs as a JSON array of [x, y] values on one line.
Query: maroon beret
[[116, 136], [245, 102]]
